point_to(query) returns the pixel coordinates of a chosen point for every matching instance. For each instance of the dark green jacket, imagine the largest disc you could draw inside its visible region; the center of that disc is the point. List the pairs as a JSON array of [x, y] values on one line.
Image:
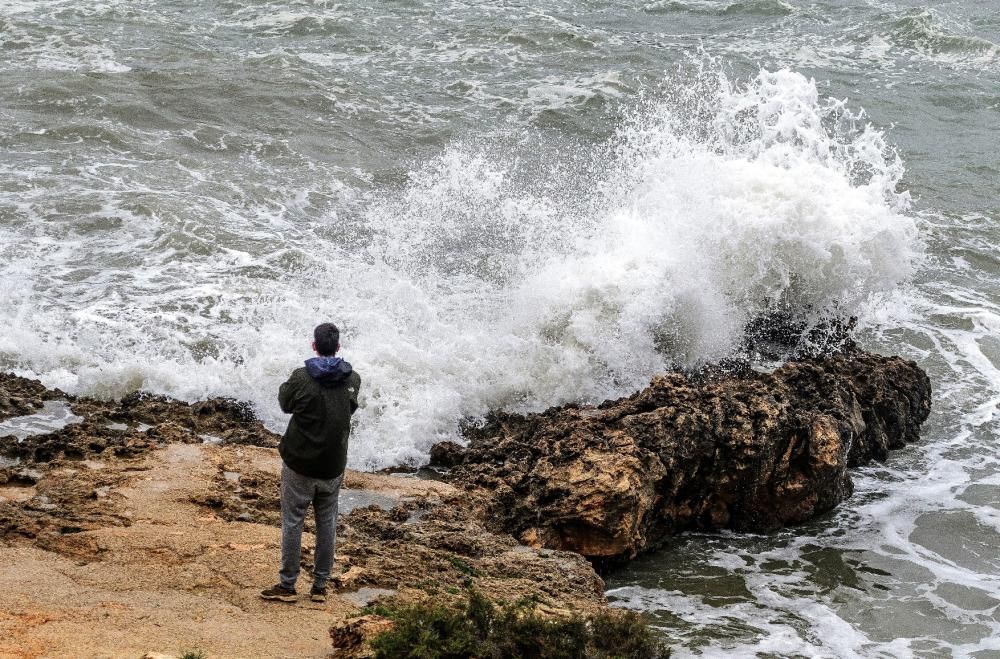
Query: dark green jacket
[[315, 443]]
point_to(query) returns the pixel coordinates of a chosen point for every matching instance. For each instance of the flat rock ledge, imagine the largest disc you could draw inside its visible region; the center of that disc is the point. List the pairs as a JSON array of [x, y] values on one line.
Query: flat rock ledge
[[737, 450], [148, 525]]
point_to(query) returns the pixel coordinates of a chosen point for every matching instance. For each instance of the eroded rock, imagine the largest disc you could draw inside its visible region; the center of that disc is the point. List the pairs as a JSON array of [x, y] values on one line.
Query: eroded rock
[[20, 396], [124, 430], [741, 450], [447, 454], [252, 496], [58, 503], [224, 419], [351, 636], [129, 427], [423, 542]]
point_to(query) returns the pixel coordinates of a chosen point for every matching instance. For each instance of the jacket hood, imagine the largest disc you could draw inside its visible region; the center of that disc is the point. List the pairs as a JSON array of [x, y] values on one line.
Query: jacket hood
[[328, 371]]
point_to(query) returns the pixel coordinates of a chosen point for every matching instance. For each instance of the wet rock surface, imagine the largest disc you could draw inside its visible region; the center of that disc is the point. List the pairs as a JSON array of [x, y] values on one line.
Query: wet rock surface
[[165, 419], [724, 448], [133, 425], [120, 431], [20, 396]]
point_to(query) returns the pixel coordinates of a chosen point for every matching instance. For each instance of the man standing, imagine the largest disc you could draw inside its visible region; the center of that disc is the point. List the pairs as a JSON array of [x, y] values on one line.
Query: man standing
[[321, 397]]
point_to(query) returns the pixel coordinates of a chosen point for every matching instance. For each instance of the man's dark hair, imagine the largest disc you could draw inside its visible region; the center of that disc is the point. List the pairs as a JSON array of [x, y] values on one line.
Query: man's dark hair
[[327, 338]]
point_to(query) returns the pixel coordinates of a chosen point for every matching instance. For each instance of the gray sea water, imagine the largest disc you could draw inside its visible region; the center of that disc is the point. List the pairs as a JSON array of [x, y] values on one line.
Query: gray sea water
[[522, 204]]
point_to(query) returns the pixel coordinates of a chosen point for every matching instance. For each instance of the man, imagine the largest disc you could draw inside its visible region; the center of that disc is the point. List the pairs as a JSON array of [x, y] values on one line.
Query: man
[[321, 397]]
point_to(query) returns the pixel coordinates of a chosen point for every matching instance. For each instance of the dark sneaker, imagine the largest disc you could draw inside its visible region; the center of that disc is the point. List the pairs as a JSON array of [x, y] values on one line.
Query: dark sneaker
[[318, 594], [279, 593]]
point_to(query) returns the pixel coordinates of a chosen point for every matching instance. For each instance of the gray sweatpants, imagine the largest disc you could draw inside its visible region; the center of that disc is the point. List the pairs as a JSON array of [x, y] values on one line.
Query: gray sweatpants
[[297, 492]]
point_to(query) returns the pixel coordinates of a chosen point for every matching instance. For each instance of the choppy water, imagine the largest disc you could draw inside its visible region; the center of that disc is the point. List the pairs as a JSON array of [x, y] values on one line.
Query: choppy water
[[521, 205]]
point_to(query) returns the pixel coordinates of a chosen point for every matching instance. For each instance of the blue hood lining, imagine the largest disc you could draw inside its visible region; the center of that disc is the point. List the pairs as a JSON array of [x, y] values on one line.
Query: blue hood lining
[[328, 371]]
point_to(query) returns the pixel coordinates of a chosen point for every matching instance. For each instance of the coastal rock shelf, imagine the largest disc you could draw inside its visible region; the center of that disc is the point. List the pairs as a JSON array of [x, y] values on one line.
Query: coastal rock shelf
[[171, 511], [740, 450], [183, 498]]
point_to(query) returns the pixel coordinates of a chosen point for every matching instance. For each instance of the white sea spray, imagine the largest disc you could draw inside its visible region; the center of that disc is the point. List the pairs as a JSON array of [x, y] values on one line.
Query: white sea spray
[[474, 292]]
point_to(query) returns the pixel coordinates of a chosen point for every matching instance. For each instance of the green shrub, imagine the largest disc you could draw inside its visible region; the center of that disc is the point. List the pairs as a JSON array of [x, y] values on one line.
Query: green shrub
[[483, 630]]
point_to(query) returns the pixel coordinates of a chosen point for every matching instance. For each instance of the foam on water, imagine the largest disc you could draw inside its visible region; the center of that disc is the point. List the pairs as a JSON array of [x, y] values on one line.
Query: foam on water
[[477, 286], [767, 8], [33, 45], [55, 414]]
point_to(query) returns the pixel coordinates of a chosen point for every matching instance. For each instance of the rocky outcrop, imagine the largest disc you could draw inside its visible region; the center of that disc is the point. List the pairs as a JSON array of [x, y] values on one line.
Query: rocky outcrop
[[43, 490], [20, 396], [126, 428], [166, 419], [732, 449]]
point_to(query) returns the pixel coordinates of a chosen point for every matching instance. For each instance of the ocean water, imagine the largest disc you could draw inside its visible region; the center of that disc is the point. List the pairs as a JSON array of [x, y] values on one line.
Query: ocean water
[[519, 205]]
